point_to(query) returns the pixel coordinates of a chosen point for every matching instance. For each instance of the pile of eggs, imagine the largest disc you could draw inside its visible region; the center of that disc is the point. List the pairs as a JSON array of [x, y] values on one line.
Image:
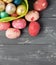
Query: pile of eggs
[[15, 8], [11, 8]]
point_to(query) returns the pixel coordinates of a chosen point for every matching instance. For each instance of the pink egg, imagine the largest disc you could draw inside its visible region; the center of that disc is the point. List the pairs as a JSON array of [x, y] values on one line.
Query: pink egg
[[4, 25], [32, 16], [12, 33], [19, 23], [40, 5], [34, 29]]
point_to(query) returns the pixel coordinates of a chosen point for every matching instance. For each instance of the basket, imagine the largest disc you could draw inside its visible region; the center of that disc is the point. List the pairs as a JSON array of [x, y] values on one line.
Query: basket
[[6, 19]]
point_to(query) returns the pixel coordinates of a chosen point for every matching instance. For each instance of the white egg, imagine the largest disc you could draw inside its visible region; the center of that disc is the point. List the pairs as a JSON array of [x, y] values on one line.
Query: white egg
[[12, 33], [10, 8], [32, 16]]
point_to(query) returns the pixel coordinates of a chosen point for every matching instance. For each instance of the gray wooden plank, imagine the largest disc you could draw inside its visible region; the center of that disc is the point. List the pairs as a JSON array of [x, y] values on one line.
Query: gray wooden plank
[[50, 11], [47, 34], [28, 54]]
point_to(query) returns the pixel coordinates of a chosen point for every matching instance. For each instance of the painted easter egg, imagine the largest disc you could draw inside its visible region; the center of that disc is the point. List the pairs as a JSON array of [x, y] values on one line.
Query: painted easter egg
[[14, 15], [4, 14], [40, 5], [32, 16], [19, 23], [12, 33], [34, 28], [7, 1], [21, 9], [17, 2], [4, 26], [10, 8], [2, 5]]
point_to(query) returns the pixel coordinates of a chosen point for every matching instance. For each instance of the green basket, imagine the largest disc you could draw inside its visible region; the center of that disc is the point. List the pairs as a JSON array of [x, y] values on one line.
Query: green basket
[[8, 19]]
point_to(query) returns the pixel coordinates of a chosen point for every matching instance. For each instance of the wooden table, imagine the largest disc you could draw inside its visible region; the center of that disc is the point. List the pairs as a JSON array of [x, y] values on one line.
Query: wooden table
[[40, 50]]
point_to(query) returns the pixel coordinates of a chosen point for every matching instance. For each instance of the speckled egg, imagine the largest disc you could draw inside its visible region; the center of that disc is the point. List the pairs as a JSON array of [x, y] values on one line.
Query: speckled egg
[[40, 5], [4, 14], [17, 2], [34, 28], [2, 5], [7, 1], [19, 23], [12, 33], [10, 8], [21, 9], [32, 16], [4, 26]]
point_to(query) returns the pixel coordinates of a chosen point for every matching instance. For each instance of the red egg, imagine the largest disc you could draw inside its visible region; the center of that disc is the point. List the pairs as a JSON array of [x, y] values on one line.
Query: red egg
[[13, 33], [34, 28], [4, 25], [14, 15], [32, 16], [40, 5], [19, 23]]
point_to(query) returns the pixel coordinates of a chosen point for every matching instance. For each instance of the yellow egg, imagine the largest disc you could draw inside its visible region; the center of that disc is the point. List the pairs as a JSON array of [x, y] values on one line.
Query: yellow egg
[[7, 1], [2, 5], [21, 9]]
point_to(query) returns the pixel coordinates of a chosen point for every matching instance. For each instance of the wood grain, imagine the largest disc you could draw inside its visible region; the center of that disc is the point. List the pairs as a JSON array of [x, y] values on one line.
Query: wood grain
[[26, 50]]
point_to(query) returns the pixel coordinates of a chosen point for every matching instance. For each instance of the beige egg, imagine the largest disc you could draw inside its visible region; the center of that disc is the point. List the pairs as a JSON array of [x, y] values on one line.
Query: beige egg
[[7, 1], [12, 33], [10, 8], [2, 5], [32, 16], [21, 9]]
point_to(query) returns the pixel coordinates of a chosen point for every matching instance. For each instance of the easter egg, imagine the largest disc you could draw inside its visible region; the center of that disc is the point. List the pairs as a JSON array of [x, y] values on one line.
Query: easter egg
[[21, 9], [10, 8], [19, 23], [14, 15], [12, 33], [4, 26], [17, 2], [2, 5], [32, 16], [7, 1], [4, 14], [40, 5], [34, 28]]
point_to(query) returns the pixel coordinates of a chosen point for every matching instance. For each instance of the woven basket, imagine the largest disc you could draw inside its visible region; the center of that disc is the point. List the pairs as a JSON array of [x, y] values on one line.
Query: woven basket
[[6, 19]]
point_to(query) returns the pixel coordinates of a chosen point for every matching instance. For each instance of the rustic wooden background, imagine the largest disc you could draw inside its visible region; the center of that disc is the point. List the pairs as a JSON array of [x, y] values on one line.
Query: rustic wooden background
[[40, 50]]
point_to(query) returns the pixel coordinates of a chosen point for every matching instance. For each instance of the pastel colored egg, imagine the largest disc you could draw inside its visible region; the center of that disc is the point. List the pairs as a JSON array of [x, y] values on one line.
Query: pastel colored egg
[[13, 33], [32, 16], [4, 26], [21, 9], [4, 14], [34, 29], [10, 8], [17, 2], [19, 23], [2, 5], [40, 5], [7, 1]]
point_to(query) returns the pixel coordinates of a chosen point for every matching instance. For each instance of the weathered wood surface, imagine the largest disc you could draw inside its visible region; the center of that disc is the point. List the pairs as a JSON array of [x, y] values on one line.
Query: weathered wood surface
[[40, 50], [28, 55], [47, 34]]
